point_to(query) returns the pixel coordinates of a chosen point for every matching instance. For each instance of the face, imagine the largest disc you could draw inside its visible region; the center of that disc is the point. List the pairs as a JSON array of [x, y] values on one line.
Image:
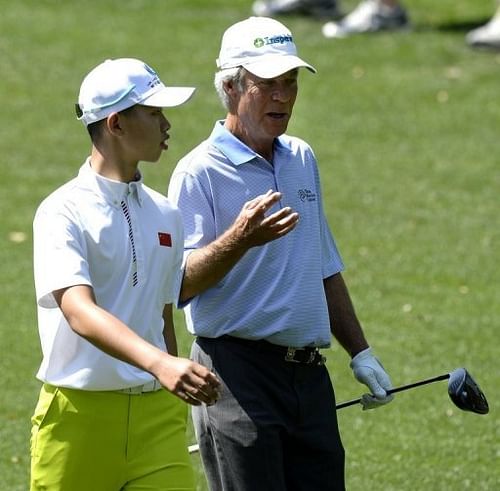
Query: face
[[146, 133], [264, 107]]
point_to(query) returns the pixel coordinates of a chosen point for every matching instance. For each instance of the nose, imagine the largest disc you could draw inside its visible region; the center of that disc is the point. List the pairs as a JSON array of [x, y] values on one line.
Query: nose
[[283, 93], [165, 123]]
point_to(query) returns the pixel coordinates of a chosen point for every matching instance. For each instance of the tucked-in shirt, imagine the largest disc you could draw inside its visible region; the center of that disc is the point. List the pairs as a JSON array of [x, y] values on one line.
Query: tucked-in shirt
[[275, 292], [125, 241]]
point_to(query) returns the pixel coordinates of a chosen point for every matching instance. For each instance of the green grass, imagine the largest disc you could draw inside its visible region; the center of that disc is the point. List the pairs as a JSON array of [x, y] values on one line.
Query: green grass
[[406, 129]]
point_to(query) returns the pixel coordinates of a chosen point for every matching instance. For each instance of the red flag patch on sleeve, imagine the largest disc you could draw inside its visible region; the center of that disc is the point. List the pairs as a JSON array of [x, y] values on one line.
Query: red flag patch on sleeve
[[165, 239]]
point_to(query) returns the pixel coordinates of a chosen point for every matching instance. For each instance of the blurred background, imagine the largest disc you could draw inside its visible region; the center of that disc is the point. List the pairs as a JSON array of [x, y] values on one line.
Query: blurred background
[[406, 128]]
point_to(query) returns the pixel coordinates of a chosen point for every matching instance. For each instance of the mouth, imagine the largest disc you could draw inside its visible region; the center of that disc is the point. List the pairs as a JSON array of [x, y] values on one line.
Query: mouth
[[164, 144], [278, 116]]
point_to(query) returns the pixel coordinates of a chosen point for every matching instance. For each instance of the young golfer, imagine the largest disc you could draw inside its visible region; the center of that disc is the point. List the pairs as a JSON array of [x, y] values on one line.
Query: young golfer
[[107, 257]]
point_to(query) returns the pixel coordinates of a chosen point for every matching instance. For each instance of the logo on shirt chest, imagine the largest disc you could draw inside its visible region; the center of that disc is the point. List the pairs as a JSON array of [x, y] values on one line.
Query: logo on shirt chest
[[165, 239], [306, 195]]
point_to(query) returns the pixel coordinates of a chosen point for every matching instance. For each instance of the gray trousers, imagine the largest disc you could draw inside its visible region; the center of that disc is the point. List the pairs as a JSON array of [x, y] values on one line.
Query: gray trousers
[[274, 427]]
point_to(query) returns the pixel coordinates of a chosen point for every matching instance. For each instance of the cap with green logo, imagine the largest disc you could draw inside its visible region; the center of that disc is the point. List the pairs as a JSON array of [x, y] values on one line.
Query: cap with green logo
[[261, 45]]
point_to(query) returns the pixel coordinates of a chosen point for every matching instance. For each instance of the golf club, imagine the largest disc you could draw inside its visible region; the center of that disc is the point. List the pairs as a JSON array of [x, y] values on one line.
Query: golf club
[[462, 389]]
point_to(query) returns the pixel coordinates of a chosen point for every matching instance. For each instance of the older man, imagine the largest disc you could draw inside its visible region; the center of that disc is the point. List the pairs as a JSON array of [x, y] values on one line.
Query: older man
[[262, 288]]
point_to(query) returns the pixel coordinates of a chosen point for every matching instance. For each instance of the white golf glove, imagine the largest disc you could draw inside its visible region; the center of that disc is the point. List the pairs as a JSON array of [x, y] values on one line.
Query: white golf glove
[[369, 371]]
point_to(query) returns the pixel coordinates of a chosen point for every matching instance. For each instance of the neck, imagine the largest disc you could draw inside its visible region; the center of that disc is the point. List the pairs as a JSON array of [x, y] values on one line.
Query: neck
[[113, 167], [263, 146]]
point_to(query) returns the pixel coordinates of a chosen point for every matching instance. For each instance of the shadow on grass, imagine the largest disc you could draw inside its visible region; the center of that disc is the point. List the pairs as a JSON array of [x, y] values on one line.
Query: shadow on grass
[[458, 26]]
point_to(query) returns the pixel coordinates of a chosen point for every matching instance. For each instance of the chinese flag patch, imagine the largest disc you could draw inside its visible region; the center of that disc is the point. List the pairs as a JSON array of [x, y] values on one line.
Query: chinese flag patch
[[165, 239]]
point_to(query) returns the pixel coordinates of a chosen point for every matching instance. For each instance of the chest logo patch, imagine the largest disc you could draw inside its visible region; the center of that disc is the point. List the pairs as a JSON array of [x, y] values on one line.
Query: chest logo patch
[[165, 239], [306, 195]]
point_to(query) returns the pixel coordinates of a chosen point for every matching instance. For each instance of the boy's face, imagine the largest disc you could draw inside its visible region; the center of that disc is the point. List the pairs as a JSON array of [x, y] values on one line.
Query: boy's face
[[146, 133]]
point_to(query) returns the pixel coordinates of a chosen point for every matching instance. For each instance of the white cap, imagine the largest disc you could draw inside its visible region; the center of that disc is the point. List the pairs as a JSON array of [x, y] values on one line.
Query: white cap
[[261, 45], [115, 85]]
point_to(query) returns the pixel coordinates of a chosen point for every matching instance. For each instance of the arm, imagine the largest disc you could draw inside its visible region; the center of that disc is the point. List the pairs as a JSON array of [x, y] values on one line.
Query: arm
[[344, 323], [188, 380], [346, 328], [206, 266], [169, 331]]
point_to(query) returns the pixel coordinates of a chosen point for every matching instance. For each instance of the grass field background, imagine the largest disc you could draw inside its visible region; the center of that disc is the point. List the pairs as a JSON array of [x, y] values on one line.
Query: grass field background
[[406, 127]]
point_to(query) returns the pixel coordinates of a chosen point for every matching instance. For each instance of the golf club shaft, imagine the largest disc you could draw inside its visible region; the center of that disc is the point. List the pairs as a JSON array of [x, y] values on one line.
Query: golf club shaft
[[194, 448], [398, 389]]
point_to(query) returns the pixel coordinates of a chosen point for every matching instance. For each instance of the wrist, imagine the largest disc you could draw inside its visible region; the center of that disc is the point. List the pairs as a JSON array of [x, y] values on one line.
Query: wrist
[[361, 352], [156, 361]]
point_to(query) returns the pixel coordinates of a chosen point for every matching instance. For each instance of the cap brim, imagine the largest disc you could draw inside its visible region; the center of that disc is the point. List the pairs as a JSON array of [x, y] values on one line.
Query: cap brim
[[274, 66], [169, 97]]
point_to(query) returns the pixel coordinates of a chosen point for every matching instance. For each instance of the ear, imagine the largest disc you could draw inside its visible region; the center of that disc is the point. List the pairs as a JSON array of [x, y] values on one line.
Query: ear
[[230, 88], [233, 94], [113, 124]]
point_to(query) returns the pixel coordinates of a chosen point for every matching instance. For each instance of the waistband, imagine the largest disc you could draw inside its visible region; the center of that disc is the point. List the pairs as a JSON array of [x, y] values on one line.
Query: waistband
[[152, 386], [308, 355]]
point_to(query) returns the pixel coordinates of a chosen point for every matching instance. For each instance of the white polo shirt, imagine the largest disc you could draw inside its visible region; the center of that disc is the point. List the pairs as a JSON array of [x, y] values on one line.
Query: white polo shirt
[[124, 240]]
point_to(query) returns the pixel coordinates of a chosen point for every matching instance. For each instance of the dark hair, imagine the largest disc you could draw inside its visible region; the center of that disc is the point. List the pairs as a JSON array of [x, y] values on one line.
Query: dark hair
[[95, 129]]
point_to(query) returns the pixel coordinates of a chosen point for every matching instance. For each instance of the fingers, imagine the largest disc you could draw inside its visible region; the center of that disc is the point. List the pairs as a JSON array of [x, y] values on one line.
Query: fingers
[[200, 386], [368, 401], [373, 383], [184, 396], [196, 397], [263, 202], [369, 371], [282, 221], [193, 383], [254, 228]]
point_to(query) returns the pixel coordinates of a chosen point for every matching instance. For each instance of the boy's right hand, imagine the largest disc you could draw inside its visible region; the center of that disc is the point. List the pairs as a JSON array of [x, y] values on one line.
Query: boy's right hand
[[190, 381]]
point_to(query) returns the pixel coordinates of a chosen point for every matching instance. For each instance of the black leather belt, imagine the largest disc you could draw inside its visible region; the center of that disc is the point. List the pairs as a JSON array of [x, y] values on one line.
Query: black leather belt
[[305, 356]]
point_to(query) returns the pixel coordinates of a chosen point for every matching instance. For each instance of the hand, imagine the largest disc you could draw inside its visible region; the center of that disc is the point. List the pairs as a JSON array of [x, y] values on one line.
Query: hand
[[188, 380], [254, 228], [369, 371]]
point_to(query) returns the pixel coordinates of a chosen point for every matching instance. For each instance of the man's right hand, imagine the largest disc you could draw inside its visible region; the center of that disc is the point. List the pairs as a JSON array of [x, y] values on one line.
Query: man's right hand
[[206, 266], [253, 228]]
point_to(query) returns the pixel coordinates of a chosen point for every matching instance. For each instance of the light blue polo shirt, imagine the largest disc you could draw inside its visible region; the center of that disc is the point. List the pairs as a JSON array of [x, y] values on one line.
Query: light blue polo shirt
[[275, 292]]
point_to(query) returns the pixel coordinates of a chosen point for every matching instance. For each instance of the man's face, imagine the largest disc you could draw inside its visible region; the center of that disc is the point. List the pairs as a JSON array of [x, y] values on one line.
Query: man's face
[[265, 105], [146, 133]]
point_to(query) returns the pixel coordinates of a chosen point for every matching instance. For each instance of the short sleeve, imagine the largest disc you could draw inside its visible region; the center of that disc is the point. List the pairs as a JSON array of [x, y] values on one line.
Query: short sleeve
[[188, 194], [59, 255]]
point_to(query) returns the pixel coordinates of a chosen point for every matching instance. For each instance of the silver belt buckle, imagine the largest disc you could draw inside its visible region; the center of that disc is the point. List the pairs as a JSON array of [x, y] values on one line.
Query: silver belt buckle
[[314, 356]]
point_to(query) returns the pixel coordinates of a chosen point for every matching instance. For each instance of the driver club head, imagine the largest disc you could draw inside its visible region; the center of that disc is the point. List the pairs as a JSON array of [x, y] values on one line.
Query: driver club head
[[465, 393]]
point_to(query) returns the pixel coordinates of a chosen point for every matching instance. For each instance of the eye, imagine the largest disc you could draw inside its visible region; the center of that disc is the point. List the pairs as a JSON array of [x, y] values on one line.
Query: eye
[[266, 84]]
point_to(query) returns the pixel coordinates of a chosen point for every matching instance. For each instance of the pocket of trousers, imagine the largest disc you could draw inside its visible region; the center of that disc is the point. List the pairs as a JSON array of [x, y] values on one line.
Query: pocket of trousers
[[44, 406]]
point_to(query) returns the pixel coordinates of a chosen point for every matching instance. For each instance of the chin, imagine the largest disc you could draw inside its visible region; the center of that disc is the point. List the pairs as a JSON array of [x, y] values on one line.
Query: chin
[[279, 128]]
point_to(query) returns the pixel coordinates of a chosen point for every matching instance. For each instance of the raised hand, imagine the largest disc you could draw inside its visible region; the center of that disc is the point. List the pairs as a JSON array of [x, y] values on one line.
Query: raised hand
[[253, 228]]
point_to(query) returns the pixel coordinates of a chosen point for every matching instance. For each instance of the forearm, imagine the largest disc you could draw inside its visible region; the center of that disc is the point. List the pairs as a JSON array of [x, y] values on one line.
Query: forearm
[[206, 266], [344, 323], [105, 331], [112, 336], [191, 382]]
